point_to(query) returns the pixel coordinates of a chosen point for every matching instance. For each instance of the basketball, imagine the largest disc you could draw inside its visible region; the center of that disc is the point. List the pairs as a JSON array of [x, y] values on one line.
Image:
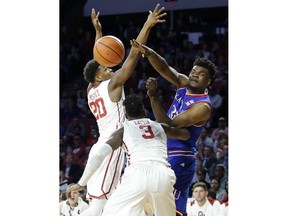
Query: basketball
[[109, 51]]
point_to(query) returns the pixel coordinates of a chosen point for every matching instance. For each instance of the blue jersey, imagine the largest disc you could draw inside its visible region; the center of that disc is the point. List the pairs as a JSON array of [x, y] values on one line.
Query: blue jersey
[[181, 153], [182, 102]]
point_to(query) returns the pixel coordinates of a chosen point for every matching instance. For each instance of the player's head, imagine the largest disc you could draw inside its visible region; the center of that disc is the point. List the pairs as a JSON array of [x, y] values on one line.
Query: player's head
[[93, 72], [202, 74], [199, 191], [134, 107]]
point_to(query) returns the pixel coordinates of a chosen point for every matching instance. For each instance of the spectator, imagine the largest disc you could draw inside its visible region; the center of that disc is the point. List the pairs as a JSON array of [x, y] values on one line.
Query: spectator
[[215, 186], [78, 148], [71, 169], [93, 136], [74, 205], [204, 139], [224, 158], [75, 127], [209, 161], [221, 175], [202, 205], [222, 126]]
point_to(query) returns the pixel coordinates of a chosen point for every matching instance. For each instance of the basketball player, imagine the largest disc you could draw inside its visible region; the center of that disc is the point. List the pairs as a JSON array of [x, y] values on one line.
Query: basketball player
[[105, 99], [202, 205], [191, 109], [148, 178], [73, 205]]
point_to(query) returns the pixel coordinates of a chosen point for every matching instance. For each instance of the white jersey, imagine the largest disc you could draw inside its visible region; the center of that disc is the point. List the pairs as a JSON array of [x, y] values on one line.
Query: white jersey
[[210, 208], [148, 180], [224, 209], [152, 148], [110, 117], [66, 210]]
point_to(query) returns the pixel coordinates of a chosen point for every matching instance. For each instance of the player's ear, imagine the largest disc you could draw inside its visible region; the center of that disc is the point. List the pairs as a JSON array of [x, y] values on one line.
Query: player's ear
[[209, 81]]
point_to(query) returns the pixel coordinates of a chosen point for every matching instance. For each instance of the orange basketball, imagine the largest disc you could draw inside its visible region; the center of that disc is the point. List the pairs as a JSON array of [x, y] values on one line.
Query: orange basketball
[[108, 51]]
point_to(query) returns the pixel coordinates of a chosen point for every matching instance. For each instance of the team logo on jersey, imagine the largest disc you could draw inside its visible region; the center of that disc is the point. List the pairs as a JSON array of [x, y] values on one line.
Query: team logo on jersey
[[200, 213]]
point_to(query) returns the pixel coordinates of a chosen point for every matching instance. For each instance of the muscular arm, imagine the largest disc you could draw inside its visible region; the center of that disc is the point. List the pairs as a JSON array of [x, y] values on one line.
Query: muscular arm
[[129, 65], [161, 66], [175, 133], [197, 114]]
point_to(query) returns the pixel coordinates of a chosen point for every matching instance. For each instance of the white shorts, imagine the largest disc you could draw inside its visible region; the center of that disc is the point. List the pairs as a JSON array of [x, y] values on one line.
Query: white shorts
[[144, 185]]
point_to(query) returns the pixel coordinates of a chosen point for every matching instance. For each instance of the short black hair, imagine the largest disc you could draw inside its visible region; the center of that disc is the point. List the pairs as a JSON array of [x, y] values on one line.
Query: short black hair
[[209, 65], [134, 106], [90, 70]]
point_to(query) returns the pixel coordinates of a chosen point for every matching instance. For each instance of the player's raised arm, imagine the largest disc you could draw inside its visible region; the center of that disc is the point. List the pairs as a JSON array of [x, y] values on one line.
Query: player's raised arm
[[161, 66], [98, 29], [96, 23], [130, 63]]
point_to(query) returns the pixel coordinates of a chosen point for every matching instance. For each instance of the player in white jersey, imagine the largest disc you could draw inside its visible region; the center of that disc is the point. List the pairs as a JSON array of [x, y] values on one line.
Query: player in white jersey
[[105, 97], [148, 180], [202, 205], [73, 206]]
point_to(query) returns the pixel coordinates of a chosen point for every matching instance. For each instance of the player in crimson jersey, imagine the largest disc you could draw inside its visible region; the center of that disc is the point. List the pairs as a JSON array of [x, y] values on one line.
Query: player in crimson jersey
[[148, 180], [105, 98], [191, 109]]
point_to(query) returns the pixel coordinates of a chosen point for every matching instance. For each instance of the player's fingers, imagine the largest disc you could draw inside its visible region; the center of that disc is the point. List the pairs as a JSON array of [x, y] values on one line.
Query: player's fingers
[[160, 10], [97, 15], [156, 8]]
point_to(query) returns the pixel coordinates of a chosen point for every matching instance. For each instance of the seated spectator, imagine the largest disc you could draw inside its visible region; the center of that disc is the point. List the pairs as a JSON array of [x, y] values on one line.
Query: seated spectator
[[222, 126], [202, 205], [221, 175], [72, 170], [74, 205], [78, 148], [209, 161], [93, 135], [215, 186], [75, 127]]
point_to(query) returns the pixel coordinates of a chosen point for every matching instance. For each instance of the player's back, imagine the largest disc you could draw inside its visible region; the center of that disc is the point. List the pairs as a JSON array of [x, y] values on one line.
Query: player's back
[[145, 140], [109, 115]]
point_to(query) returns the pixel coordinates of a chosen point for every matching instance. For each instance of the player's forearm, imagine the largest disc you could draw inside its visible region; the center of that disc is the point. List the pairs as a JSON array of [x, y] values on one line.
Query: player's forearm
[[158, 111], [98, 34], [94, 162]]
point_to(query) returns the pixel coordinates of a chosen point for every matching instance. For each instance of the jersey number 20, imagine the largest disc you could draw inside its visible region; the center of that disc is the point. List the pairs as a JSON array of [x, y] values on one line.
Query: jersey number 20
[[98, 108]]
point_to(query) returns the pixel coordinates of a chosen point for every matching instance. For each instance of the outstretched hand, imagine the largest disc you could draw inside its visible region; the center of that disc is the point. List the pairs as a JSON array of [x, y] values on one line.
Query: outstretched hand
[[146, 51], [95, 20], [155, 16], [151, 85]]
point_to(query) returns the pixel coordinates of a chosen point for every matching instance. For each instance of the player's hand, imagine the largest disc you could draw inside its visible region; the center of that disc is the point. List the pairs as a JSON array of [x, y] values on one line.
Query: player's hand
[[146, 51], [95, 20], [155, 16], [151, 85], [76, 187]]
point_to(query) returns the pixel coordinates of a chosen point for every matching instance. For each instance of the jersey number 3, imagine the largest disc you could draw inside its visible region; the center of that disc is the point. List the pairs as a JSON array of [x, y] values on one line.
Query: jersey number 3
[[148, 133], [98, 108]]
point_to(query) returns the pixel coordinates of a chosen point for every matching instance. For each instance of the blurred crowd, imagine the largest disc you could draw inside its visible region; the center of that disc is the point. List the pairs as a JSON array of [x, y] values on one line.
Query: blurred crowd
[[78, 128]]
